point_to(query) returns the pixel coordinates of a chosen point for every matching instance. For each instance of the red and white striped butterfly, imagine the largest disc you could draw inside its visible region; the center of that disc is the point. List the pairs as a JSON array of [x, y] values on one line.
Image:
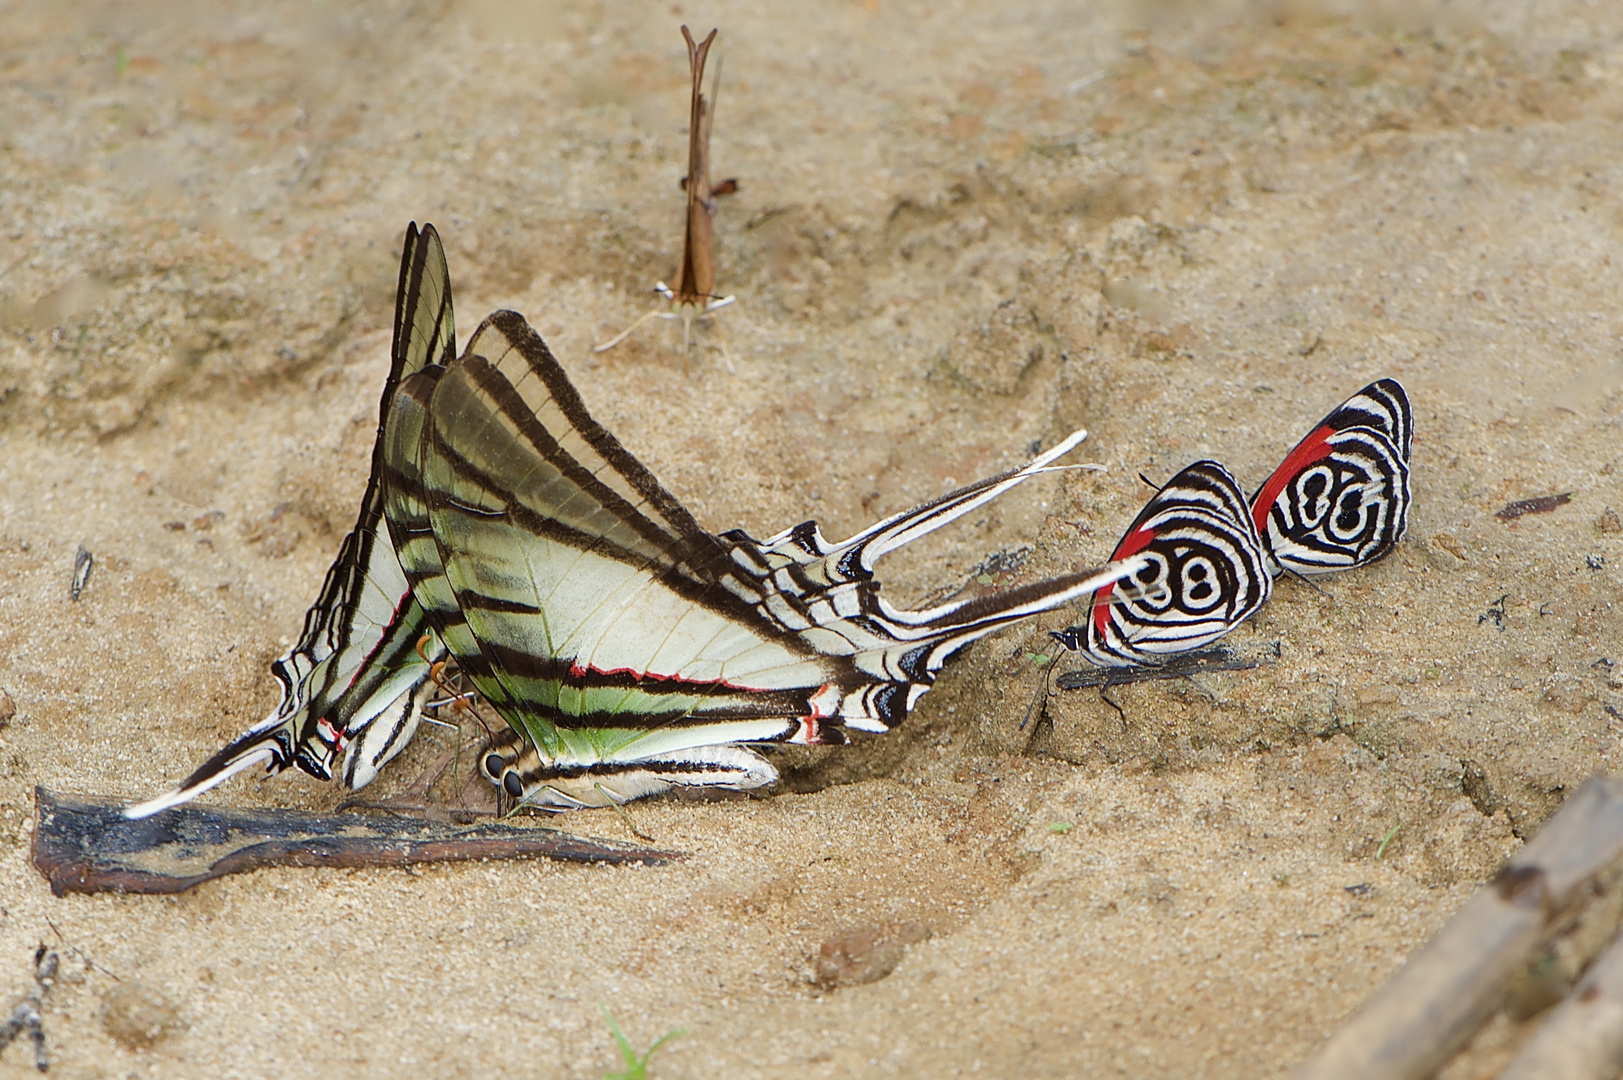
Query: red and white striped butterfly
[[1207, 573], [1341, 498]]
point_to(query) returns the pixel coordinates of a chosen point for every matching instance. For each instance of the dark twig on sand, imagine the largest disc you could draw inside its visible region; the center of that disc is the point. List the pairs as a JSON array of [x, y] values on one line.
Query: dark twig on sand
[[86, 846], [1583, 1038], [1541, 505]]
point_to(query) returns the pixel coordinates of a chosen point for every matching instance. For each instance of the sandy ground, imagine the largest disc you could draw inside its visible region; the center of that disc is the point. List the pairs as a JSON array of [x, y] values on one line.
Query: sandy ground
[[1192, 230]]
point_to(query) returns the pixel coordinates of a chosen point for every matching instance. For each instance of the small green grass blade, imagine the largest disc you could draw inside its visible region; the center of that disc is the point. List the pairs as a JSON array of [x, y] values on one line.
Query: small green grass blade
[[636, 1064]]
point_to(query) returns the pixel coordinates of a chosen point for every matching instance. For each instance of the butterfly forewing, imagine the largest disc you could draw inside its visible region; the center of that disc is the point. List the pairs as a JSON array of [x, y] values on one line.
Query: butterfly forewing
[[593, 598], [1341, 497], [371, 695], [1204, 573], [697, 281]]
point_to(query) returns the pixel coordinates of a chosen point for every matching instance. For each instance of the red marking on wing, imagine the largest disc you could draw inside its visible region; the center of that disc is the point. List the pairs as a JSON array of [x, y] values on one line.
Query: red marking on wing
[[576, 671], [1314, 448], [1131, 544], [331, 735]]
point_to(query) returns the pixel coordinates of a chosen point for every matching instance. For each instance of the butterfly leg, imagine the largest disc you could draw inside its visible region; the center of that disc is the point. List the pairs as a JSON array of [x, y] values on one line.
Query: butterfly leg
[[628, 331], [1039, 701], [721, 336], [1309, 582], [1205, 693], [1104, 696], [687, 337], [471, 800], [624, 814]]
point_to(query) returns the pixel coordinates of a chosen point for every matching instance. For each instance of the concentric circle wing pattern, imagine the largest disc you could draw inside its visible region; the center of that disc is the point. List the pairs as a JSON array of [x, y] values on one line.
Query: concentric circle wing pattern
[[1205, 573], [1340, 499]]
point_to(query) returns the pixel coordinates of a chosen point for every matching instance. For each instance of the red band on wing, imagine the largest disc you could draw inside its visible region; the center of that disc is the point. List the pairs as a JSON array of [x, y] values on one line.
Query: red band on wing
[[578, 671], [1314, 448], [1131, 544]]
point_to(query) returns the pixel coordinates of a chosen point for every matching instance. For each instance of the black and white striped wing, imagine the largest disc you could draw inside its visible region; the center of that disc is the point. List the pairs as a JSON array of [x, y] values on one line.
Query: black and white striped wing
[[630, 648], [1205, 573], [356, 680], [1340, 499]]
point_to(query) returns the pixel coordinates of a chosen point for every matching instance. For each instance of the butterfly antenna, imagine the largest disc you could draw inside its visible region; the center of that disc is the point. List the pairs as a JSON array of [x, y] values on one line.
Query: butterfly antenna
[[1150, 482], [1309, 582], [715, 88], [1039, 701]]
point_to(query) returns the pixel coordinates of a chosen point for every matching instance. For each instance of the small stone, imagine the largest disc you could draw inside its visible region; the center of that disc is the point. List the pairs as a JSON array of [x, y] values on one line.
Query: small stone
[[1446, 552], [1376, 694], [1609, 522], [8, 708], [138, 1016], [866, 953]]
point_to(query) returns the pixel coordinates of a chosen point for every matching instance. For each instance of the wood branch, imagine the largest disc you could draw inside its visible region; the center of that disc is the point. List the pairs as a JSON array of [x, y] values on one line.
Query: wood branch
[[1437, 1000], [89, 846], [1583, 1037]]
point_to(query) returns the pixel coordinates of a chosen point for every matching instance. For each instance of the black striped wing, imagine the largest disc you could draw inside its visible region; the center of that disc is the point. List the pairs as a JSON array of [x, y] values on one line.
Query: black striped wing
[[1340, 499], [356, 680], [1205, 573], [629, 648]]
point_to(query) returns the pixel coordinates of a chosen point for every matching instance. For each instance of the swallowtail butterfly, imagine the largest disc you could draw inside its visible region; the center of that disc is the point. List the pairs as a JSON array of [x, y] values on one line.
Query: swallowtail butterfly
[[695, 293], [1205, 573], [629, 650], [1341, 498], [356, 681]]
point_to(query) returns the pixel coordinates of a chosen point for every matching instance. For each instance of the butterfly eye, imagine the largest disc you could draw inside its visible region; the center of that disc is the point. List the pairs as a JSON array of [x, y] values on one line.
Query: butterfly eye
[[494, 764], [513, 785]]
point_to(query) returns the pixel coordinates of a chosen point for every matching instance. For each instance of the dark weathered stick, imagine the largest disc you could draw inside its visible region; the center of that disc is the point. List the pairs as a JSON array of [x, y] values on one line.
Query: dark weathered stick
[[1583, 1038], [90, 846], [1436, 1001]]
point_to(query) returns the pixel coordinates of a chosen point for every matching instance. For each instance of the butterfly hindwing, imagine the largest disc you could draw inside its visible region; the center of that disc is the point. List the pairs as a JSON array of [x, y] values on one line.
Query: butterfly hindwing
[[599, 616], [1204, 573], [356, 681], [1340, 499]]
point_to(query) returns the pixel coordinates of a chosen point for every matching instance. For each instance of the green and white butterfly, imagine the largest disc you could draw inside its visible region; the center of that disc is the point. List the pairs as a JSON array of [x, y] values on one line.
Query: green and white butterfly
[[629, 650], [356, 681]]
